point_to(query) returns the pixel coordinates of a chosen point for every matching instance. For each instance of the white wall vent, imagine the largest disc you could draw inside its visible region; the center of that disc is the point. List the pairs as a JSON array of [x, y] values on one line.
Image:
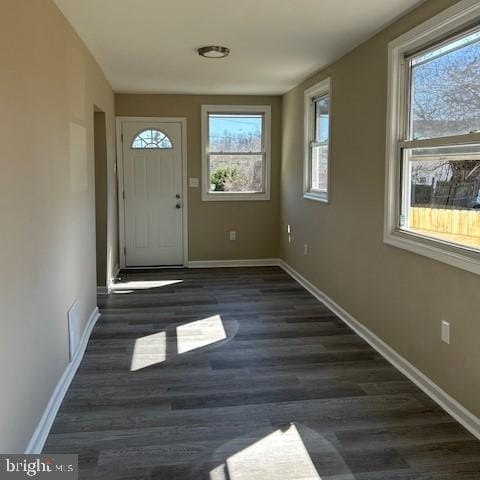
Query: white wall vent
[[73, 316]]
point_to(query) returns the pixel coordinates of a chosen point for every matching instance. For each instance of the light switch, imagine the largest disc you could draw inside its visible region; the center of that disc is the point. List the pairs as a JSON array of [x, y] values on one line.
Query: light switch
[[193, 182]]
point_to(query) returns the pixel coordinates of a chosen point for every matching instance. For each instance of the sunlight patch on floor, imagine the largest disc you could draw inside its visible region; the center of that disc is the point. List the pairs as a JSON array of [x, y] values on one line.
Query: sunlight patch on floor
[[129, 287], [149, 350], [200, 333], [280, 455]]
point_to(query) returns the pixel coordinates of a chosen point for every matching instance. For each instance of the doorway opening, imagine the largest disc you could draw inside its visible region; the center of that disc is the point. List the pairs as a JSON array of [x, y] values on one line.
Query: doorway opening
[[101, 196]]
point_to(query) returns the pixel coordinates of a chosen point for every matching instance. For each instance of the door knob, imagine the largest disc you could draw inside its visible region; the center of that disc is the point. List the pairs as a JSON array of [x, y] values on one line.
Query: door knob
[[177, 195], [178, 205]]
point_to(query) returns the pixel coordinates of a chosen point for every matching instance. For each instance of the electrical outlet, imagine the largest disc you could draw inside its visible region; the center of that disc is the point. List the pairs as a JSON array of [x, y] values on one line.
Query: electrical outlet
[[445, 332], [305, 249], [233, 235]]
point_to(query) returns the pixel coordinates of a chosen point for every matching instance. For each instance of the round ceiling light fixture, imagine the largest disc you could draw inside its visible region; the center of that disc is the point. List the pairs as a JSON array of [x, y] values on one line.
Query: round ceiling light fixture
[[213, 51]]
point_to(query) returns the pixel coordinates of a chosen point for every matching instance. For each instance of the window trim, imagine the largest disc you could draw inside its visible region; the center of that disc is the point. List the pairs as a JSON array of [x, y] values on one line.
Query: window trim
[[320, 89], [435, 30], [265, 110]]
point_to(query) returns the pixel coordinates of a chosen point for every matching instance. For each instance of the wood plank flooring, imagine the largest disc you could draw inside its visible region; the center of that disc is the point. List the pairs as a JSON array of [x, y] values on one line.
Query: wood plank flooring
[[240, 374]]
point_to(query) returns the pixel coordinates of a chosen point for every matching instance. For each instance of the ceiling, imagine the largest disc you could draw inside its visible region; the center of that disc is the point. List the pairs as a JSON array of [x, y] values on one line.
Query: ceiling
[[149, 46]]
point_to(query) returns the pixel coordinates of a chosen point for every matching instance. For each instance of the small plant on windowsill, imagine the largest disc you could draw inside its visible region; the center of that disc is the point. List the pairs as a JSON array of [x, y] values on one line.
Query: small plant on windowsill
[[223, 175]]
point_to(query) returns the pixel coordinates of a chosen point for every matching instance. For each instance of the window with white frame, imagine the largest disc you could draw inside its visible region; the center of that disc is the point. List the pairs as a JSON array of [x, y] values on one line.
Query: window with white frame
[[236, 152], [433, 139], [317, 140]]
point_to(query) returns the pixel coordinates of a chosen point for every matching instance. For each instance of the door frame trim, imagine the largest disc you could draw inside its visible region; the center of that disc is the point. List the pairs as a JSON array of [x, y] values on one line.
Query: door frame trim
[[121, 201]]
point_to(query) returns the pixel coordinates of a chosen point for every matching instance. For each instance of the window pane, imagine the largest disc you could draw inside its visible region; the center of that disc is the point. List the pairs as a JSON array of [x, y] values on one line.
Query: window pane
[[442, 196], [320, 168], [321, 119], [445, 96], [152, 139], [235, 133], [236, 173]]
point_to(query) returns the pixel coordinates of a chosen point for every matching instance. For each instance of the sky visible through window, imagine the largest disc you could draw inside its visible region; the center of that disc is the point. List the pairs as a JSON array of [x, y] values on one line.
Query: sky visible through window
[[446, 89], [322, 119], [449, 47], [235, 132]]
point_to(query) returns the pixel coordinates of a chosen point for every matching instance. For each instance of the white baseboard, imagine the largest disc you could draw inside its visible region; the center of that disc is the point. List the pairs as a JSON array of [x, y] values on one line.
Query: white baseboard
[[443, 399], [256, 262], [43, 428]]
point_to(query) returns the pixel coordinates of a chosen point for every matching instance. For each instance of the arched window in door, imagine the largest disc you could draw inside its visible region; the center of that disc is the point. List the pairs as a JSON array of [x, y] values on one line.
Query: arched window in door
[[151, 138]]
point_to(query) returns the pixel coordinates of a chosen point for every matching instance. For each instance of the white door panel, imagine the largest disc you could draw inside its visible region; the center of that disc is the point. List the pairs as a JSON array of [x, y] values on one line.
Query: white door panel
[[153, 194]]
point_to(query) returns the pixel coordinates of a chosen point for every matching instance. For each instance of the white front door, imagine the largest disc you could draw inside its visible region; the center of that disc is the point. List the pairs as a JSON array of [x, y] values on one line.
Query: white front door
[[152, 175]]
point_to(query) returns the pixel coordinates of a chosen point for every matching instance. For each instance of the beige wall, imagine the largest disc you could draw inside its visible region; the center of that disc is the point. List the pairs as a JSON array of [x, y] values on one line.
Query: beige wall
[[400, 296], [48, 87], [256, 222]]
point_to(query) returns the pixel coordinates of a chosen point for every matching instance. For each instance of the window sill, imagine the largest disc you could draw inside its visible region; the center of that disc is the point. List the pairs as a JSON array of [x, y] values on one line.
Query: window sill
[[316, 196], [234, 197], [444, 252]]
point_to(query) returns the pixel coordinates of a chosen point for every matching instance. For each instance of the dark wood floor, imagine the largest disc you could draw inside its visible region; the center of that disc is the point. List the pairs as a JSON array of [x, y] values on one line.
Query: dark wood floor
[[290, 393]]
